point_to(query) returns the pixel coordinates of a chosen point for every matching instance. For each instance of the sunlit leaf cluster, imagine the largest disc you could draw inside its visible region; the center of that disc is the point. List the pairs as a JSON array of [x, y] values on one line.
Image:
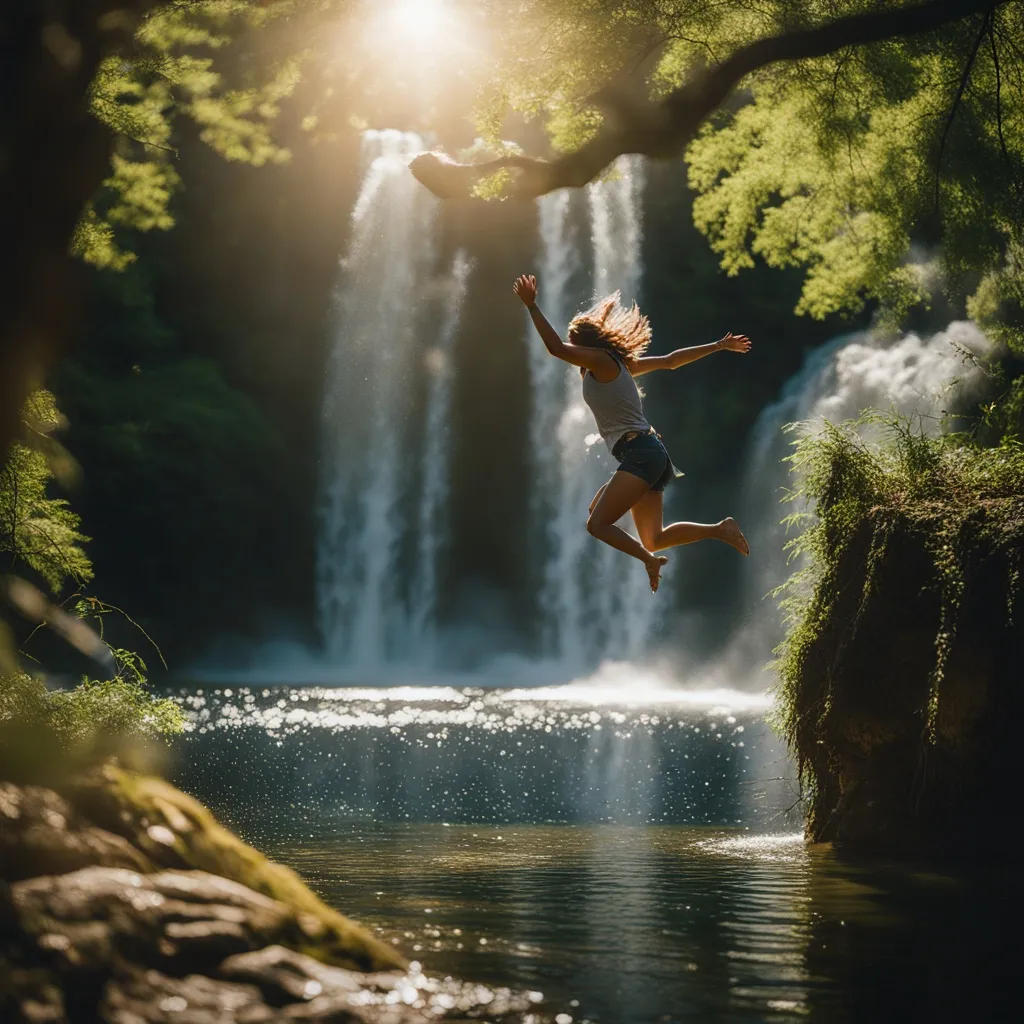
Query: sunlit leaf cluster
[[184, 63], [43, 730], [38, 532], [877, 169]]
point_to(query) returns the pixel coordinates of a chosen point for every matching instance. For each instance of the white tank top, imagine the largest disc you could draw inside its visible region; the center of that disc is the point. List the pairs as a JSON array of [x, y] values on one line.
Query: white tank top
[[616, 406]]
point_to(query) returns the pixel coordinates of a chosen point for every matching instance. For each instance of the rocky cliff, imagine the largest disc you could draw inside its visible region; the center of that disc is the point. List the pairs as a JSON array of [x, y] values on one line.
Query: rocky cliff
[[900, 678]]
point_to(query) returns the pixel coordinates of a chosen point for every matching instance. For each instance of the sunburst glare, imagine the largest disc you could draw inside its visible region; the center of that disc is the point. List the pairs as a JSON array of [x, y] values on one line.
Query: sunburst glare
[[412, 25]]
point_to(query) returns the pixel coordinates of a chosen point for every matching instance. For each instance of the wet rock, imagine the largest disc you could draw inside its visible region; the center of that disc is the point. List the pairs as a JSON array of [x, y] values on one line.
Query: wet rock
[[125, 943], [177, 832], [185, 920], [30, 995], [284, 976], [40, 834], [153, 998], [339, 1010]]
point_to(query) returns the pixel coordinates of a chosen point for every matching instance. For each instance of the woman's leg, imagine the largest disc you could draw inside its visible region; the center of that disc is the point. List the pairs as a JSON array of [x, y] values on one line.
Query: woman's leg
[[614, 500], [648, 515]]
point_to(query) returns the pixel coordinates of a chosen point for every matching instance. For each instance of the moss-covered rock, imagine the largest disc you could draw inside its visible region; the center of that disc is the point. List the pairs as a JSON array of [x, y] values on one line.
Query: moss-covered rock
[[899, 678], [175, 831], [123, 900]]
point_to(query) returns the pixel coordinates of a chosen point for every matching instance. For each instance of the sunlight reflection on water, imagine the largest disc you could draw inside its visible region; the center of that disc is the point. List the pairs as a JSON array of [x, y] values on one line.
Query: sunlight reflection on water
[[637, 862], [639, 925], [559, 754]]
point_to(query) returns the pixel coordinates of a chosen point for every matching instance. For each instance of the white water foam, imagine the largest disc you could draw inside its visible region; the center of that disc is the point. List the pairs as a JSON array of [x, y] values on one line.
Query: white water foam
[[916, 377]]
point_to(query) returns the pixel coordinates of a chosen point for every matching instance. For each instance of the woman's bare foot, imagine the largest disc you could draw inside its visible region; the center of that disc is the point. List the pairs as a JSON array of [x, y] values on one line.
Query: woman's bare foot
[[729, 531], [654, 567]]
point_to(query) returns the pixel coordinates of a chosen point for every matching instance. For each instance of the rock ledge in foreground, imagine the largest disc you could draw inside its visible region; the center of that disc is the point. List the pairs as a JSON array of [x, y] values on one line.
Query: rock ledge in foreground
[[124, 901]]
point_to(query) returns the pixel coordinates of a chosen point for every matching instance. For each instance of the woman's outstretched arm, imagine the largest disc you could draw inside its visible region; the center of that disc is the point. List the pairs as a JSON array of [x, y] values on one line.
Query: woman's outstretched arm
[[682, 356], [594, 359]]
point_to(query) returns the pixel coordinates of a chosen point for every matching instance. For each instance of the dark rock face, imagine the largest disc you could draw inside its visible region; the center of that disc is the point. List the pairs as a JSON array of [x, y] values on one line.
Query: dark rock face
[[100, 932], [882, 782]]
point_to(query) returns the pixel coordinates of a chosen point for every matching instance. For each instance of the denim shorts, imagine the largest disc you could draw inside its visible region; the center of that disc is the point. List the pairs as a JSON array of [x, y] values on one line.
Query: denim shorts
[[646, 457]]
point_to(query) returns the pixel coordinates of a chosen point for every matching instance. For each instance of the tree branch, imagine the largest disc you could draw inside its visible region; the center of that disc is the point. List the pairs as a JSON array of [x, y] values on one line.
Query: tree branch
[[152, 145], [964, 79], [664, 129], [999, 103]]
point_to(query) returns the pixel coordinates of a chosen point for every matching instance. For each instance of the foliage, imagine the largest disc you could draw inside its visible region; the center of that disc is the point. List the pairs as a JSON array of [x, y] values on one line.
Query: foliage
[[48, 734], [94, 711], [187, 61], [881, 170], [959, 504], [37, 532], [893, 150], [40, 537]]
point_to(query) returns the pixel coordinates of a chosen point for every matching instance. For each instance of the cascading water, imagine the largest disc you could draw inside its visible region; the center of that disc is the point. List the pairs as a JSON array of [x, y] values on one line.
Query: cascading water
[[616, 214], [436, 444], [595, 601], [371, 612], [916, 378]]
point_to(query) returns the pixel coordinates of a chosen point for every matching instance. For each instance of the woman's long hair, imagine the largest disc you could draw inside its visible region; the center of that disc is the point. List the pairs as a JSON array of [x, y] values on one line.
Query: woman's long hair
[[610, 325]]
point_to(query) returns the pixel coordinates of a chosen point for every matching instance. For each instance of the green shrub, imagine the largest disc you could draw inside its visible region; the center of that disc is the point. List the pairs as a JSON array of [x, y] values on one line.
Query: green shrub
[[46, 732], [42, 727]]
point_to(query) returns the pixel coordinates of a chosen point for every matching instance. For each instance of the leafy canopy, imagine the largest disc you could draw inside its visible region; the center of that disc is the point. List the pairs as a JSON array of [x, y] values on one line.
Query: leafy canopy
[[881, 169]]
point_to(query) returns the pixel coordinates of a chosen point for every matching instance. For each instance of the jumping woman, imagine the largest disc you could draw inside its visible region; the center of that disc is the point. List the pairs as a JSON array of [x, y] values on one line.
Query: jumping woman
[[607, 343]]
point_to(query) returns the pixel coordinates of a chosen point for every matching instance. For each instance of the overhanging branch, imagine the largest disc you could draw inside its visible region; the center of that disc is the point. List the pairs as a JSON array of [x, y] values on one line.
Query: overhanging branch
[[665, 128]]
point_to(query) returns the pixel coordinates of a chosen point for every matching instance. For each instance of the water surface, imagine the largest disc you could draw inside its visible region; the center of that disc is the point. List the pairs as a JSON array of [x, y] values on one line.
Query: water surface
[[633, 861]]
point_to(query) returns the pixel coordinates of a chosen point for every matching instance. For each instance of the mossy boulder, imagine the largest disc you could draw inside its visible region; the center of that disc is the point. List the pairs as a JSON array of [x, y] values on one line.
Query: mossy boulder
[[123, 900], [173, 830]]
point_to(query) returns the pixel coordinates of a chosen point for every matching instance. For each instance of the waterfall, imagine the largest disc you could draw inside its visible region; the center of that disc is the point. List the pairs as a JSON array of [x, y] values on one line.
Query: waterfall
[[616, 208], [595, 601], [436, 445], [915, 377], [380, 435]]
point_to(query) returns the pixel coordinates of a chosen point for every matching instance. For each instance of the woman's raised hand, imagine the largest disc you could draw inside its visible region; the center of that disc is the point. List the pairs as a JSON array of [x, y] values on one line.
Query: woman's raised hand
[[526, 288], [734, 342]]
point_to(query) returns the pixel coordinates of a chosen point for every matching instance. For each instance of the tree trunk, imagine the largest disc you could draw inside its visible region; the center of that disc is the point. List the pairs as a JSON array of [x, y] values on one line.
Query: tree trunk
[[53, 157]]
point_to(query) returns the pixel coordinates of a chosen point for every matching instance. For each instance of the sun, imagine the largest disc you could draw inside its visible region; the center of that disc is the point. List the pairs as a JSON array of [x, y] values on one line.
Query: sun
[[422, 23], [416, 48]]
